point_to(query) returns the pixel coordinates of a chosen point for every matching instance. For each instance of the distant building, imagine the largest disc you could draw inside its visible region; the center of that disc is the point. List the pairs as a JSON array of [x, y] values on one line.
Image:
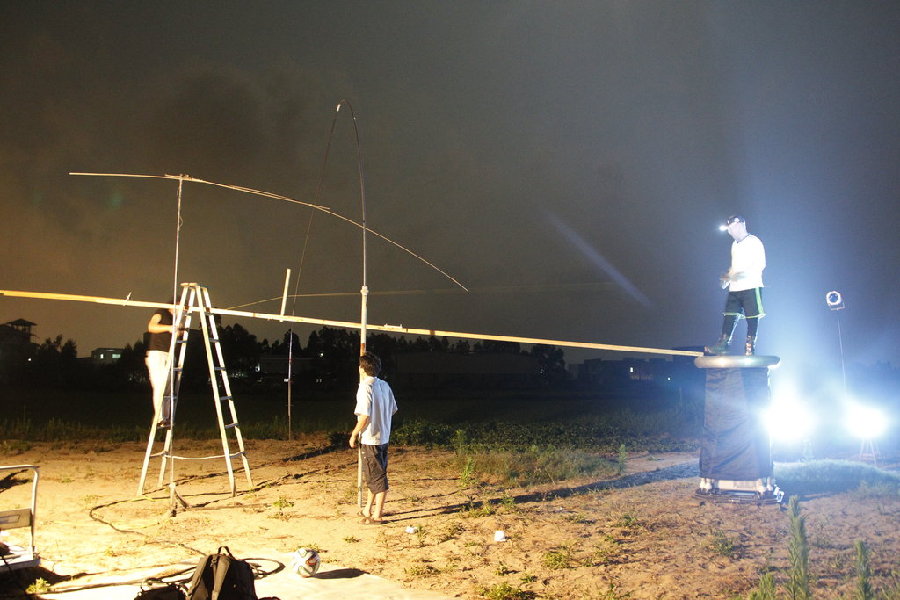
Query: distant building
[[16, 347], [16, 332], [106, 356]]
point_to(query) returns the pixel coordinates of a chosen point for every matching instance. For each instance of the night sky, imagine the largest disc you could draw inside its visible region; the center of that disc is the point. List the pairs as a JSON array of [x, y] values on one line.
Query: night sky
[[569, 162]]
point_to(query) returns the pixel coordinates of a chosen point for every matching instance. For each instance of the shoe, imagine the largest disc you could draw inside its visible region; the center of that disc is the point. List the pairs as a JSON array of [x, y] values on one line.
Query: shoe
[[750, 346], [720, 347], [164, 424]]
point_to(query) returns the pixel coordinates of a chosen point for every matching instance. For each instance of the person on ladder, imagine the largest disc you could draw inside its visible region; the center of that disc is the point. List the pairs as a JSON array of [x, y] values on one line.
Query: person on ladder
[[161, 328], [744, 283]]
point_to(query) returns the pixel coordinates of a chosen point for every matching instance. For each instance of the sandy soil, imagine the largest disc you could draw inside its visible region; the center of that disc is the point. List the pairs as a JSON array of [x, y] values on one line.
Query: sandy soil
[[644, 536]]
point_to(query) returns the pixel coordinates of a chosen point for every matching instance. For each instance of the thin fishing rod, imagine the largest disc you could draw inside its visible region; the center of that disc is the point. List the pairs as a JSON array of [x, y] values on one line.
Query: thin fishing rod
[[317, 198], [364, 290]]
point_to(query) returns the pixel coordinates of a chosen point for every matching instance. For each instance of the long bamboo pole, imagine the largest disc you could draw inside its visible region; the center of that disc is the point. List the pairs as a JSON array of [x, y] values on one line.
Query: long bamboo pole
[[351, 325]]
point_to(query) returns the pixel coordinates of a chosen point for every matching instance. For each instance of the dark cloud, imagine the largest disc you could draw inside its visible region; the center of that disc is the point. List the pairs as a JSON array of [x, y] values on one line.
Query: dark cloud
[[637, 126]]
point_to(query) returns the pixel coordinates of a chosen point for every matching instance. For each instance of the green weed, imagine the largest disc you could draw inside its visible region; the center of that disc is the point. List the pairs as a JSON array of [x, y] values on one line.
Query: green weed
[[629, 521], [422, 571], [508, 503], [798, 554], [611, 593], [467, 476], [765, 590], [420, 535], [39, 586], [504, 591], [89, 500], [561, 558], [452, 531], [606, 552], [722, 545], [280, 504], [864, 589], [483, 509], [622, 459]]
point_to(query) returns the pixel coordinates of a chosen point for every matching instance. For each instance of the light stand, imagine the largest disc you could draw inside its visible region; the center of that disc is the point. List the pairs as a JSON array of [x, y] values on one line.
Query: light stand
[[835, 302]]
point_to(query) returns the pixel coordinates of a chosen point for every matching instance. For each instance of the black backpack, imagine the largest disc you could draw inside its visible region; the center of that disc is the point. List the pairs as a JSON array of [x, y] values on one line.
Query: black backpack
[[221, 576], [155, 589]]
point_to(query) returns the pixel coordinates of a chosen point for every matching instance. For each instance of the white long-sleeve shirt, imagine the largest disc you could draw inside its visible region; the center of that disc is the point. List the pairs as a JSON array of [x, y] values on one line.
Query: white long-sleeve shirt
[[748, 260]]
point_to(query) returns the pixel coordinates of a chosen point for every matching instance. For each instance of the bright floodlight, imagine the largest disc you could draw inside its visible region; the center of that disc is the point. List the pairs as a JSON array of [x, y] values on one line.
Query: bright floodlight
[[865, 422], [789, 420], [834, 300]]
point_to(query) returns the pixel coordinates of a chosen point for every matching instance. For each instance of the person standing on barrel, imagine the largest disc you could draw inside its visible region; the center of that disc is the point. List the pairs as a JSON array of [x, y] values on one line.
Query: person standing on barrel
[[744, 284]]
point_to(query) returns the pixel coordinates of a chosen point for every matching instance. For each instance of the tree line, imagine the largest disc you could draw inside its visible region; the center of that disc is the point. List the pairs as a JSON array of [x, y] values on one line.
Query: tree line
[[328, 358]]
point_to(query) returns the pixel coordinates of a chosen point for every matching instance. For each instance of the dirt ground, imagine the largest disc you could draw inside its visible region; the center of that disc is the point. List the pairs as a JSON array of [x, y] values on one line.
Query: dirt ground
[[645, 535]]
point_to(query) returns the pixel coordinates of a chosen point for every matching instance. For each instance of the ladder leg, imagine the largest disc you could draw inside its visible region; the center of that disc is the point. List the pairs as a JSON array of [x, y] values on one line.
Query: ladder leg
[[166, 456], [140, 490], [171, 389], [219, 377]]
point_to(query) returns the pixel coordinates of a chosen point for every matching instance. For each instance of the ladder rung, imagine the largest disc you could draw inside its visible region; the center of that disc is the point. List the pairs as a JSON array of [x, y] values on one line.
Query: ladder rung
[[231, 425], [178, 369], [214, 340], [181, 341], [224, 398]]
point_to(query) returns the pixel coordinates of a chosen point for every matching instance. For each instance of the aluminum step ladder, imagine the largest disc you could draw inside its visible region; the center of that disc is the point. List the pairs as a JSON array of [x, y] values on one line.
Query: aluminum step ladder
[[195, 300]]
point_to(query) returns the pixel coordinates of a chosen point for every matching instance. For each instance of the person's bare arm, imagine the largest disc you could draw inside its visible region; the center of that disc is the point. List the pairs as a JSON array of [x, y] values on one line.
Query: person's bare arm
[[362, 421]]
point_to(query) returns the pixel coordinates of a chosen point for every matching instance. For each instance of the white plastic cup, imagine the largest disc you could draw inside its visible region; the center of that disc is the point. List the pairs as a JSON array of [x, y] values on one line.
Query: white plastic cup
[[499, 536]]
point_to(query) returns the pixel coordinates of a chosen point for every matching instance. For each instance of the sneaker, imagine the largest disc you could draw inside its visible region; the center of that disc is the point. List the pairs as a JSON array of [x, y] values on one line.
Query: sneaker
[[719, 348]]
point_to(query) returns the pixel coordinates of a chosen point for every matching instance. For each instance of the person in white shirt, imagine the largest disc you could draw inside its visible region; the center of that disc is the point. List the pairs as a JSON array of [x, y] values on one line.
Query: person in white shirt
[[375, 407], [744, 283]]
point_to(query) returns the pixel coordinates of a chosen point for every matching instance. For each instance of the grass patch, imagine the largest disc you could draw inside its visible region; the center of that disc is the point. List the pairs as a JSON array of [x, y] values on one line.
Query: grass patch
[[559, 558], [722, 545], [533, 465], [834, 476], [505, 591], [422, 571], [614, 433]]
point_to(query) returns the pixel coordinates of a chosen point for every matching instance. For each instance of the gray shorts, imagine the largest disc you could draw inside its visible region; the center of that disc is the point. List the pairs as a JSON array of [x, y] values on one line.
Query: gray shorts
[[375, 461]]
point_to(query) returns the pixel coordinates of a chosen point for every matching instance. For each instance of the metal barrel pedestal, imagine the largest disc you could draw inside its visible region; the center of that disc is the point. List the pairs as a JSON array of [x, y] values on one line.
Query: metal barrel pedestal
[[735, 453]]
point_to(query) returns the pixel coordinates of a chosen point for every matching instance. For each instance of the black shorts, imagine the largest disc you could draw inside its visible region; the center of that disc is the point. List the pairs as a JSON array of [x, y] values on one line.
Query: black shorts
[[375, 462], [746, 303]]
